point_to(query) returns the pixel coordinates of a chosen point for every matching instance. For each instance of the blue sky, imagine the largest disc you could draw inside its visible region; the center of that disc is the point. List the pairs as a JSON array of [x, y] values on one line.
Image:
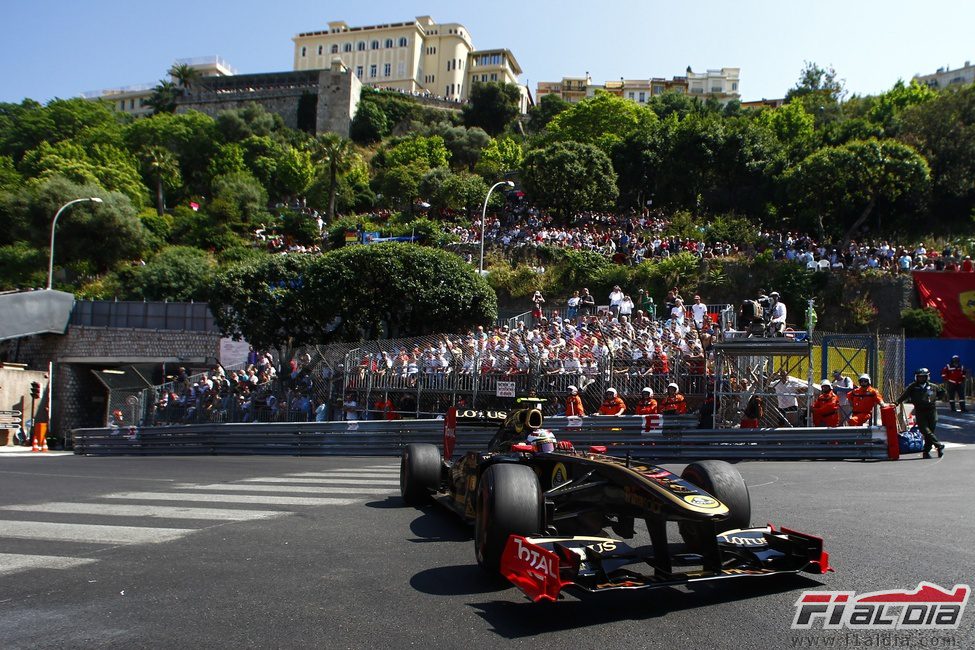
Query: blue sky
[[61, 48]]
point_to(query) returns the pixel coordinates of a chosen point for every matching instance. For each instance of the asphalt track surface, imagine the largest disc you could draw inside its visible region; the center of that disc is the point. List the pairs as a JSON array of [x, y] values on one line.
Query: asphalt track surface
[[242, 552]]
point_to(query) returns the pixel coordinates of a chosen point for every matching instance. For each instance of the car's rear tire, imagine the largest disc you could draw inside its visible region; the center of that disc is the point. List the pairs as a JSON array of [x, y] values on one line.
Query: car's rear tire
[[509, 502], [722, 481], [419, 473]]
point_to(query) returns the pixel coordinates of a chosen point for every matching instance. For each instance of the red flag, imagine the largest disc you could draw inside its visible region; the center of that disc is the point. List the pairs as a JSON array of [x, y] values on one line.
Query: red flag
[[953, 295]]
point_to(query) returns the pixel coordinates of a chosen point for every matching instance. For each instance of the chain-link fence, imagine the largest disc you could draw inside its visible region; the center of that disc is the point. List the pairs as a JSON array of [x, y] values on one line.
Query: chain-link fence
[[420, 377]]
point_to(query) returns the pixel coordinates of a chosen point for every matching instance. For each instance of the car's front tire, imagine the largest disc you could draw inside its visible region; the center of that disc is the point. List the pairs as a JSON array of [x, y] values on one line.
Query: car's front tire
[[509, 502], [722, 481], [419, 473]]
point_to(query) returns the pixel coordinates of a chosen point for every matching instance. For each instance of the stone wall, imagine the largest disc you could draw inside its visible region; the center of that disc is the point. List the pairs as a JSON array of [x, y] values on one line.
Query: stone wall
[[334, 92], [78, 397]]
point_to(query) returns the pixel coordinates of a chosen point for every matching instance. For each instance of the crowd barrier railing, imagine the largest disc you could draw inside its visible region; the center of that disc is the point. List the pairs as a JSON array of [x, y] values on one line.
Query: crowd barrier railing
[[663, 438]]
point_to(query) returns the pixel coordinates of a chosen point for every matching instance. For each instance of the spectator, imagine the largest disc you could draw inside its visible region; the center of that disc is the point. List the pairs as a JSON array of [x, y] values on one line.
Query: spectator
[[699, 311], [616, 297], [350, 407], [754, 410], [842, 385]]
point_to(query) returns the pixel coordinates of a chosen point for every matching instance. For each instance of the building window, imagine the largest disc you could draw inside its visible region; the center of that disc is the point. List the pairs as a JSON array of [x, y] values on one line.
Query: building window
[[402, 42], [643, 97], [387, 68], [717, 89], [483, 77], [347, 47], [372, 71], [494, 76], [335, 49], [319, 50], [302, 50], [132, 104], [631, 95], [446, 91], [358, 71], [734, 86], [389, 42], [374, 45], [361, 46], [401, 69], [657, 90]]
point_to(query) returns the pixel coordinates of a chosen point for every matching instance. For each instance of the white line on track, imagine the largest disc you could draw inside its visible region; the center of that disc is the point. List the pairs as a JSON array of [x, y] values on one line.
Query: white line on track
[[127, 510], [13, 562], [90, 533], [232, 498], [322, 481], [303, 489]]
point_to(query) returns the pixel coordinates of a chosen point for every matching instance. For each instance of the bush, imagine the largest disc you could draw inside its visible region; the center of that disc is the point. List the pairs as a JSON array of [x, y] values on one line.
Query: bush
[[922, 323]]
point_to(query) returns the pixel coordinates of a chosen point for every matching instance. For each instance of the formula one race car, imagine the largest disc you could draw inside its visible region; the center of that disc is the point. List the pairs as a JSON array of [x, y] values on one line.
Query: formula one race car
[[540, 507]]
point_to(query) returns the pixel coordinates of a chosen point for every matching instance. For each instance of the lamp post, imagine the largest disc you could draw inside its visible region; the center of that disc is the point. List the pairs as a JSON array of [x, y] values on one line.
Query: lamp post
[[50, 262], [480, 267]]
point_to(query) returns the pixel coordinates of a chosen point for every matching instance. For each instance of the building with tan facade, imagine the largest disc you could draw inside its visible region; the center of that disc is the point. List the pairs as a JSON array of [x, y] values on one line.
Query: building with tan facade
[[134, 99], [945, 77], [418, 57], [721, 84]]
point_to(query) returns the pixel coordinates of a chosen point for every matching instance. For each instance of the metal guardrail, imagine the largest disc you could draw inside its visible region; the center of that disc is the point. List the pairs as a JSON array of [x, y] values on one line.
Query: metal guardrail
[[652, 437]]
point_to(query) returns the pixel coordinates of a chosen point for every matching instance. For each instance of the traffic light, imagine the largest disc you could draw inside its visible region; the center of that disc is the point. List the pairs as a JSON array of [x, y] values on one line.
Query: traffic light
[[35, 390]]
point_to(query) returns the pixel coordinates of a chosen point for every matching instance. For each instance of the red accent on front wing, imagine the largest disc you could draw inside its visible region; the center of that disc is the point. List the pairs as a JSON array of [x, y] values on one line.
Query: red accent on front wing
[[822, 563], [532, 569]]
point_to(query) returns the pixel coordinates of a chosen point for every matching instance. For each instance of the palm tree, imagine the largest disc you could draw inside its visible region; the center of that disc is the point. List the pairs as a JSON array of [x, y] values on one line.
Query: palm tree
[[185, 76], [337, 154], [163, 98], [161, 166]]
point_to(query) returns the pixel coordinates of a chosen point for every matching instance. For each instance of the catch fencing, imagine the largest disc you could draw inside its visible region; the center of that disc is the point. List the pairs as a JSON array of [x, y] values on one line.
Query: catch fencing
[[662, 438], [420, 377]]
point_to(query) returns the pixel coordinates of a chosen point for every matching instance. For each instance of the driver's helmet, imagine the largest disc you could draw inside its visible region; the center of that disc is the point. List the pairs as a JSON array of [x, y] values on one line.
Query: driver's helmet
[[922, 374], [542, 439]]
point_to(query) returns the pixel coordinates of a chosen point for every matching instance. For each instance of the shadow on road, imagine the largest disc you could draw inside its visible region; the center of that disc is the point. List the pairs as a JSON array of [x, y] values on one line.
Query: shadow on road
[[434, 525], [516, 620], [459, 580], [387, 503]]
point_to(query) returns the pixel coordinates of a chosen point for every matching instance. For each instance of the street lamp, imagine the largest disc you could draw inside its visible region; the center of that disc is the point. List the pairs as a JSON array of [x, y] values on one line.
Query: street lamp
[[50, 262], [480, 267]]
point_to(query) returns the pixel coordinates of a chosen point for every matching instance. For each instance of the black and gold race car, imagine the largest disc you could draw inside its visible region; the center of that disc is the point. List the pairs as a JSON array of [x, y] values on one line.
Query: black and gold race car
[[540, 509]]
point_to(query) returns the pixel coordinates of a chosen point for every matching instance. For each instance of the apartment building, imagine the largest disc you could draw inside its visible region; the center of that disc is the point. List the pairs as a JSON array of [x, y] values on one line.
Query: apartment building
[[945, 77], [419, 56], [721, 84], [132, 99]]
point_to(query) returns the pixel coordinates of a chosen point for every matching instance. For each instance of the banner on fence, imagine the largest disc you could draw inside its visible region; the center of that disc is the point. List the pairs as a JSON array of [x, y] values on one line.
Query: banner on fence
[[953, 295], [505, 389]]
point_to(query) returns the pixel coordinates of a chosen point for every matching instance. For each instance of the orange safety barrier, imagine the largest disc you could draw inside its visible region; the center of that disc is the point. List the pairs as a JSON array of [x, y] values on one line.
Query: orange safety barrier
[[40, 437], [888, 417]]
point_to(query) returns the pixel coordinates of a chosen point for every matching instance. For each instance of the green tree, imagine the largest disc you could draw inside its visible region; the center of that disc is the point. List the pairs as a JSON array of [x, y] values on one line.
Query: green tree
[[428, 152], [369, 124], [162, 169], [252, 120], [841, 187], [294, 171], [570, 176], [793, 127], [400, 185], [366, 286], [245, 193], [335, 155], [9, 177], [887, 107], [819, 91], [163, 98], [176, 274], [185, 76], [674, 103], [545, 111], [492, 106], [922, 323], [501, 155], [463, 144], [943, 131], [603, 120], [267, 301]]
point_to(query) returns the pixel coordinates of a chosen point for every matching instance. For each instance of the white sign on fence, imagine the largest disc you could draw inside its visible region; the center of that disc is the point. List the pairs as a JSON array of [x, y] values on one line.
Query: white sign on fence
[[505, 389]]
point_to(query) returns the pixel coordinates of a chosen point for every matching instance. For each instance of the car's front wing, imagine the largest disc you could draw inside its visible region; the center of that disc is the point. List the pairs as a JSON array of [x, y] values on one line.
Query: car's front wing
[[543, 566]]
